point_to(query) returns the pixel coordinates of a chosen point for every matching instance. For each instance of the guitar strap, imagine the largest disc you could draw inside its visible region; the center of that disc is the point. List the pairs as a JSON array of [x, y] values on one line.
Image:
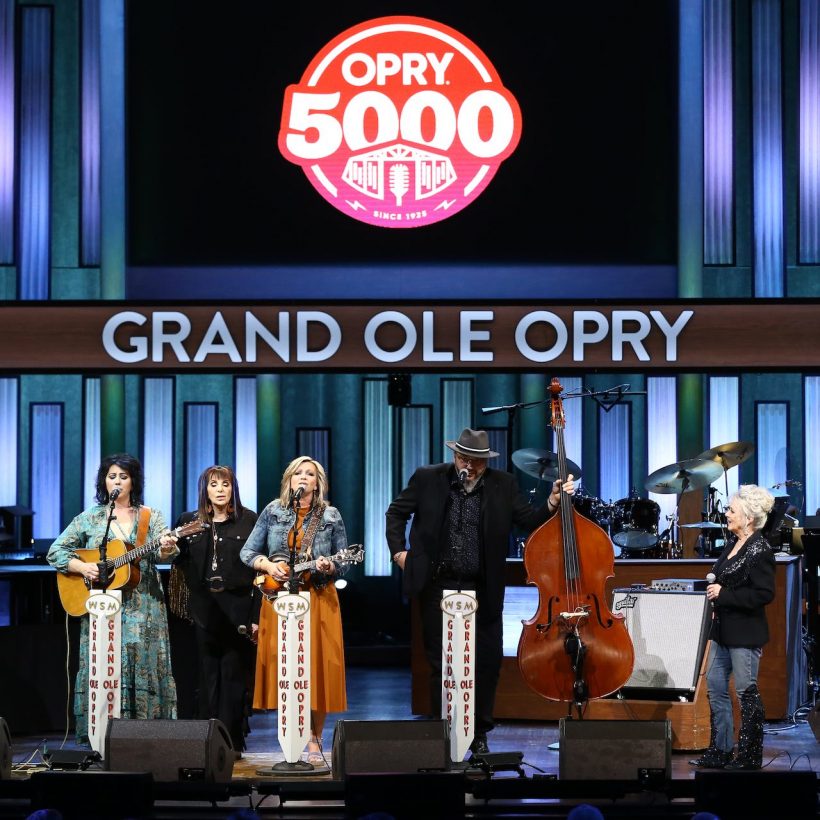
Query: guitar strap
[[142, 527], [306, 547], [306, 551]]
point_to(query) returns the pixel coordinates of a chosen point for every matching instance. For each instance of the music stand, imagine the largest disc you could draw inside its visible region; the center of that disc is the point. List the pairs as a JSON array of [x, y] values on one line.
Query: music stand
[[775, 518], [18, 522]]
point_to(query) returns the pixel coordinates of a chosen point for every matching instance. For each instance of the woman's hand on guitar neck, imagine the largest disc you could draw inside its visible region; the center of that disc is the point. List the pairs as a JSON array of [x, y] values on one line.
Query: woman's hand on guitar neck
[[168, 545]]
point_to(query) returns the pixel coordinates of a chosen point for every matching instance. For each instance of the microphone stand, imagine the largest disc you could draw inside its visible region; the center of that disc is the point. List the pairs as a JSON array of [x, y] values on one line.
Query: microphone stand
[[510, 410], [104, 580], [605, 398], [293, 583], [298, 767]]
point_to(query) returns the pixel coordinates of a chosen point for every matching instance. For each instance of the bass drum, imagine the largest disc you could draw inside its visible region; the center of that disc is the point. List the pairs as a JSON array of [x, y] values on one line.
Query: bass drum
[[635, 525]]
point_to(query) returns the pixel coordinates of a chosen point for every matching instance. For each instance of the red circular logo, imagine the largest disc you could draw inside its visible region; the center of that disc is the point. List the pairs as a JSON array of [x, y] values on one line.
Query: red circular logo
[[399, 122]]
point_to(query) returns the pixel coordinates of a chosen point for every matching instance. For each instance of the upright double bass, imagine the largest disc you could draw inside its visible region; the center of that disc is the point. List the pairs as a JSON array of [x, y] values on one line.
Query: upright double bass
[[574, 648]]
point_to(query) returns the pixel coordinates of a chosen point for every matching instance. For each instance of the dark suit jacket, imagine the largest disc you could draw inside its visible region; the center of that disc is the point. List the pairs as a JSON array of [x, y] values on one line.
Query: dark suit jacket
[[425, 497]]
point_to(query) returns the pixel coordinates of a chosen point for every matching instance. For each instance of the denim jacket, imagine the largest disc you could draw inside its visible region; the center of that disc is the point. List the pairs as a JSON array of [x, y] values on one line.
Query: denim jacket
[[269, 537]]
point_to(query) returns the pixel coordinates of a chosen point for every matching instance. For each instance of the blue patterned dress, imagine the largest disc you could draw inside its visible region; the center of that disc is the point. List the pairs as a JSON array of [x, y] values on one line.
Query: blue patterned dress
[[148, 687]]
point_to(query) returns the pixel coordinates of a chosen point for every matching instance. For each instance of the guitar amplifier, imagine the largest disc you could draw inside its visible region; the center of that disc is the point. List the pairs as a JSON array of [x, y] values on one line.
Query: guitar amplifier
[[668, 630], [679, 585]]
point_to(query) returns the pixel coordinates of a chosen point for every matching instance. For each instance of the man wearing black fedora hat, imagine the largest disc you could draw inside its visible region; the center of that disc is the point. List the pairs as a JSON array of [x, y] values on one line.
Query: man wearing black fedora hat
[[463, 513]]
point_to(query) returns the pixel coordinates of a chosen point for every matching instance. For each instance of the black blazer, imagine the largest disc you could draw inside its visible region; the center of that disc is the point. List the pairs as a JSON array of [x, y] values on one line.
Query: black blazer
[[425, 498], [747, 585]]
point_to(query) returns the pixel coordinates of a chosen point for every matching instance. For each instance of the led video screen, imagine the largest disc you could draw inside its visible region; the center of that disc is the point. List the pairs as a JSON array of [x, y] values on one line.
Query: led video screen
[[590, 178]]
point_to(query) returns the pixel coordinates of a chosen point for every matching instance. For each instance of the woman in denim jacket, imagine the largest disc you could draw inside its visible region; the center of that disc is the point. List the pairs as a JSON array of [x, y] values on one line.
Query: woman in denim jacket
[[319, 534]]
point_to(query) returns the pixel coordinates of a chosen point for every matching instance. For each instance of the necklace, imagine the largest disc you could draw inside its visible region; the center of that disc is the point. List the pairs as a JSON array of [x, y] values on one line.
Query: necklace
[[125, 535], [213, 535]]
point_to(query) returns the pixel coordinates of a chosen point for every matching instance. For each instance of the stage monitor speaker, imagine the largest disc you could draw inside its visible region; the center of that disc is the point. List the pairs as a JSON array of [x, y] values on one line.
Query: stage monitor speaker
[[639, 750], [403, 796], [5, 750], [83, 795], [365, 746], [669, 631], [172, 750], [741, 795]]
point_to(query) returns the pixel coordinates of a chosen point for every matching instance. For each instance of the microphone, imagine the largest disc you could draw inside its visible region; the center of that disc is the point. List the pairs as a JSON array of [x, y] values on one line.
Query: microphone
[[298, 494], [462, 476], [115, 494], [710, 579], [489, 410]]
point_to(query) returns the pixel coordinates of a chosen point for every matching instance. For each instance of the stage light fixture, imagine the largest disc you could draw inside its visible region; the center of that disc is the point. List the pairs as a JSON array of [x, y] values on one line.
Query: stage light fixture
[[399, 391]]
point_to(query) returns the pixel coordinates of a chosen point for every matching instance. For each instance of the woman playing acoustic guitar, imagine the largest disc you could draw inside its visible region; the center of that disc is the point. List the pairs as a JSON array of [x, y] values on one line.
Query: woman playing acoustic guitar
[[319, 534], [148, 687]]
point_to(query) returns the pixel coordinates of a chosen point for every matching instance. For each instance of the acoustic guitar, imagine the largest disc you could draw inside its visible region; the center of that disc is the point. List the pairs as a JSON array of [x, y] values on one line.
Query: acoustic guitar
[[120, 566], [269, 586]]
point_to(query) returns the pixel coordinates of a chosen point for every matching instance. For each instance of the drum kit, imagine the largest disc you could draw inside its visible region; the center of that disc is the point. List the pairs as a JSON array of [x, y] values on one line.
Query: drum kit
[[632, 523]]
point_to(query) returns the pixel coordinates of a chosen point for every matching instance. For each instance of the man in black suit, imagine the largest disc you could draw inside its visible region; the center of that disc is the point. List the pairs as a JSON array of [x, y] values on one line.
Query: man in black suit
[[463, 513]]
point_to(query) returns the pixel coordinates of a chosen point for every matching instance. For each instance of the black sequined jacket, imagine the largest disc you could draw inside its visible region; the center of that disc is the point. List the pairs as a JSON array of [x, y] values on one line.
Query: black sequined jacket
[[747, 585]]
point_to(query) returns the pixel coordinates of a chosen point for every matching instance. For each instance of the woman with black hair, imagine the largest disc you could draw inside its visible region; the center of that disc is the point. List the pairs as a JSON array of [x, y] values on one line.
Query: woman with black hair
[[147, 683], [216, 592]]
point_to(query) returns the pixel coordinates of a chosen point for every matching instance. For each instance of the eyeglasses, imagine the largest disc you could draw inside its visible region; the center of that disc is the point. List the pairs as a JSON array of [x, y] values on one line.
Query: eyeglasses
[[468, 460]]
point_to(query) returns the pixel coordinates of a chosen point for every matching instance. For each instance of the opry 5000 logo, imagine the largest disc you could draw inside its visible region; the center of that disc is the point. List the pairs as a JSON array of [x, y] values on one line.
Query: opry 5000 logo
[[399, 122]]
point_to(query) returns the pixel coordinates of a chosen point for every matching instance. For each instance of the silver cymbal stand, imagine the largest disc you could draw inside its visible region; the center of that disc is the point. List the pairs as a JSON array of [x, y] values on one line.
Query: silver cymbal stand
[[675, 548]]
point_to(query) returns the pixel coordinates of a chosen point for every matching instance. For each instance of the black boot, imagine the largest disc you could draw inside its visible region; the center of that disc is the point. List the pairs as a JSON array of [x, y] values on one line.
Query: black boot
[[712, 758], [750, 740]]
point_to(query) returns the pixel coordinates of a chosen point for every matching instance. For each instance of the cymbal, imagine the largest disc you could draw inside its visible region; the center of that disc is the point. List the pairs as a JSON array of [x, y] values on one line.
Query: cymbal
[[542, 464], [703, 525], [683, 476], [729, 455]]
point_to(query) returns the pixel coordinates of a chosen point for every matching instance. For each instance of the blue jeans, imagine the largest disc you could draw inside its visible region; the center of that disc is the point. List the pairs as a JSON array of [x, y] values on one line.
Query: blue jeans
[[743, 662]]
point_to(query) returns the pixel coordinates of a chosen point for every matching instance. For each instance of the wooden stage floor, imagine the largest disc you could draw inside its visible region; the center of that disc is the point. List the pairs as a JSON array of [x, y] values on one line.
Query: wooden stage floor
[[384, 694]]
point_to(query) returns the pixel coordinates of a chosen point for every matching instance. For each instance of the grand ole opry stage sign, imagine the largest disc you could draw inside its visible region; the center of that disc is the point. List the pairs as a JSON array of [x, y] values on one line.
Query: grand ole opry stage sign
[[676, 335]]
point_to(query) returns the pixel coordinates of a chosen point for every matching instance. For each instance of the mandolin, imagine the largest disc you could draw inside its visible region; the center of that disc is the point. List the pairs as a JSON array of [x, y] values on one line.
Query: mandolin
[[120, 566], [268, 586]]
